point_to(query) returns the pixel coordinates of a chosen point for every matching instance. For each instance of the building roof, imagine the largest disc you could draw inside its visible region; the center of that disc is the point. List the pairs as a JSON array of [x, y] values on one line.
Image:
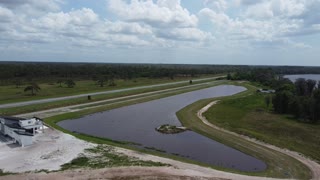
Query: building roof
[[12, 118], [14, 126]]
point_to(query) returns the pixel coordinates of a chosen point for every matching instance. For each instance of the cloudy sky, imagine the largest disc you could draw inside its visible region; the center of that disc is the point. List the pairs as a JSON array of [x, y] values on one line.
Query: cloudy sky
[[262, 32]]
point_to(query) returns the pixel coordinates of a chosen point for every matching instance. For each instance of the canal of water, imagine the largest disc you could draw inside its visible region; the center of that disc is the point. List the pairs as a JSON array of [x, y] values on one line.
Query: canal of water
[[137, 123]]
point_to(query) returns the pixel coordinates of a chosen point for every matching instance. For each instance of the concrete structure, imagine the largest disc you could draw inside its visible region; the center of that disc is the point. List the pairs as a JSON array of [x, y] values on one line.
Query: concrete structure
[[21, 130]]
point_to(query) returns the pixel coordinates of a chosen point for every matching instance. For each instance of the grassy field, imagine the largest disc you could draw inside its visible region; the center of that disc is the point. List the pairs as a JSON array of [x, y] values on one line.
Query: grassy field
[[250, 116], [63, 103], [10, 94], [278, 164]]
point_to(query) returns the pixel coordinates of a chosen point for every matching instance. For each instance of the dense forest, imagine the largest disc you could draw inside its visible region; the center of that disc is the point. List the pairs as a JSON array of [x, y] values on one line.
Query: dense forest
[[11, 72], [301, 99]]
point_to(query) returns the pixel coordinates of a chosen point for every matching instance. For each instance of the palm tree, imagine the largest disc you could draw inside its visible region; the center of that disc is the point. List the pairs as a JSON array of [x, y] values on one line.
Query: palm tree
[[33, 88]]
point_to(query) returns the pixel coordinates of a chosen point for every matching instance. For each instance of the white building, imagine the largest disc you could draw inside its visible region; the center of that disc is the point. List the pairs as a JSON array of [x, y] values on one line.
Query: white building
[[21, 130]]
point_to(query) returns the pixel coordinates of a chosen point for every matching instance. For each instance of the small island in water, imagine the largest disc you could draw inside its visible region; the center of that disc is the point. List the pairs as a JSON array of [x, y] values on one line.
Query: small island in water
[[170, 129]]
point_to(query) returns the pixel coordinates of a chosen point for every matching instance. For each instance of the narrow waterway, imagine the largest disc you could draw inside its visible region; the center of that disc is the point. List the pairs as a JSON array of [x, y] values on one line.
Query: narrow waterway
[[137, 123]]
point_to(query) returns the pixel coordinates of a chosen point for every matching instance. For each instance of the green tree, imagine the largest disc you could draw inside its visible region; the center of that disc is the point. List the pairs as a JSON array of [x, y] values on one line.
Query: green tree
[[267, 100], [281, 101], [311, 85], [33, 88], [229, 77], [111, 80], [101, 81], [60, 82], [70, 83], [301, 87], [18, 83]]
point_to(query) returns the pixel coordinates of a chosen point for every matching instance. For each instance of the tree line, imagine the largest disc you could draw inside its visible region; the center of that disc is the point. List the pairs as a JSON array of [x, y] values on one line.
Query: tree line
[[300, 98], [20, 72]]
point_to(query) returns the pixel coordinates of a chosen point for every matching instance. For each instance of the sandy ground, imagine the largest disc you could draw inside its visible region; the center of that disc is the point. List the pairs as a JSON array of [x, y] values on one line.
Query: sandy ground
[[314, 166], [118, 173], [50, 150], [54, 148]]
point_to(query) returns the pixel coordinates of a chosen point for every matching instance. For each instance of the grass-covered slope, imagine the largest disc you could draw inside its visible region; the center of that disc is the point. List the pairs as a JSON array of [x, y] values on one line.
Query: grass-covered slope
[[250, 116], [279, 165]]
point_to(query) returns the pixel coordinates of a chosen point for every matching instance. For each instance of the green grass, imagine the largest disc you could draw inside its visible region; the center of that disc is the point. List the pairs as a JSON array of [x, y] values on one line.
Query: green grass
[[11, 94], [56, 104], [250, 116], [278, 164]]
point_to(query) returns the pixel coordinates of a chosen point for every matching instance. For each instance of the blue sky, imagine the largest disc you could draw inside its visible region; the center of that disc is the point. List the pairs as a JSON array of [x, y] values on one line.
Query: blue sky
[[257, 32]]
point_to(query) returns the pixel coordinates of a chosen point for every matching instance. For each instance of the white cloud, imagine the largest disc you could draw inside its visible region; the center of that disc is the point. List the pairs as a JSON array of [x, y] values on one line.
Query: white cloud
[[217, 5], [82, 17], [248, 29], [6, 15], [186, 34], [32, 7], [161, 23], [271, 21], [127, 28], [249, 2], [163, 13]]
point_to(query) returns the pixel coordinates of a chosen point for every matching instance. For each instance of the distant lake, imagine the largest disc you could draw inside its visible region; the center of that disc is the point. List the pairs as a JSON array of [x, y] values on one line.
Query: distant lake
[[137, 123], [293, 78]]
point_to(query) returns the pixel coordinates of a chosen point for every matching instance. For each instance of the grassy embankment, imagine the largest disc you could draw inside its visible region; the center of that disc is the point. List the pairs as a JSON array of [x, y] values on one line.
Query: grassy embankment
[[251, 117], [279, 165], [12, 94], [75, 101]]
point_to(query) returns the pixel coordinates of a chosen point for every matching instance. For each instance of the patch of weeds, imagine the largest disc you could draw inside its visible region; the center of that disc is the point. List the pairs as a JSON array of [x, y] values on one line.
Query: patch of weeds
[[3, 173], [104, 156], [43, 170]]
